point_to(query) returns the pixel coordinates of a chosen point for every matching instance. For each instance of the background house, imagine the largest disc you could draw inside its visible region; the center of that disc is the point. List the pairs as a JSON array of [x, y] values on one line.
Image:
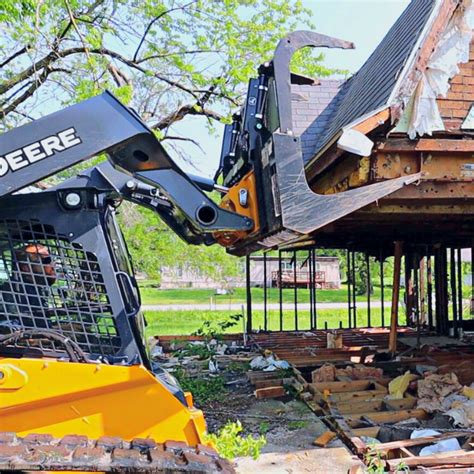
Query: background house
[[327, 274], [185, 277]]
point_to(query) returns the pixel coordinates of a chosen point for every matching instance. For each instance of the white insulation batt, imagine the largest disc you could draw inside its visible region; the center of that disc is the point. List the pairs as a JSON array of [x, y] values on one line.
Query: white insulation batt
[[421, 113]]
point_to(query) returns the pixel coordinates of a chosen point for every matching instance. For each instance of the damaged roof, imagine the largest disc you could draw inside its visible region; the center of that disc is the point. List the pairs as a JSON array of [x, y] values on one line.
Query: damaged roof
[[308, 103], [369, 89]]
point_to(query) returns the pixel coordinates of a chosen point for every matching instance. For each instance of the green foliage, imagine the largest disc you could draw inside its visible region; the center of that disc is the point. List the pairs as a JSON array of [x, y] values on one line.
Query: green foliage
[[213, 328], [182, 322], [204, 390], [376, 465], [203, 351], [154, 55], [154, 245], [230, 443], [263, 427]]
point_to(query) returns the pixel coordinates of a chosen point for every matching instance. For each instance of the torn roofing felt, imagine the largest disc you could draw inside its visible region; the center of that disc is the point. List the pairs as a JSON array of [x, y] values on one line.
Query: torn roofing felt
[[371, 87]]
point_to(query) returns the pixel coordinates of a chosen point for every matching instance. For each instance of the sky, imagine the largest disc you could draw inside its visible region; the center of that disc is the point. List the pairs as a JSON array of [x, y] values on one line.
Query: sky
[[364, 22]]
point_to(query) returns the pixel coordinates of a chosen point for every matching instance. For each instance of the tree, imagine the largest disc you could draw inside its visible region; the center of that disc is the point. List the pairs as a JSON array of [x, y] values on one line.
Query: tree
[[168, 59], [153, 245]]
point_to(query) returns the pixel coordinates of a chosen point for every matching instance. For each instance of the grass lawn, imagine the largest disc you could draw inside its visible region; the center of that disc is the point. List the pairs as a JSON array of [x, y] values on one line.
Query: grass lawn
[[186, 322], [152, 295]]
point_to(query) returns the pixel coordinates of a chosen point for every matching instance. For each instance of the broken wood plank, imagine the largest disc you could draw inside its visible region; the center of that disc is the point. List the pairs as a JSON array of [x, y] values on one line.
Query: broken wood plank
[[459, 457], [389, 416], [406, 403], [323, 440], [372, 122], [359, 395], [350, 386], [385, 447], [272, 382], [270, 392], [370, 431], [361, 407]]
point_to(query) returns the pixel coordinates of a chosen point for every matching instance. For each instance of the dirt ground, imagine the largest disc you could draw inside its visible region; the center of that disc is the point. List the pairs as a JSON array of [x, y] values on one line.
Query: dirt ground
[[289, 426]]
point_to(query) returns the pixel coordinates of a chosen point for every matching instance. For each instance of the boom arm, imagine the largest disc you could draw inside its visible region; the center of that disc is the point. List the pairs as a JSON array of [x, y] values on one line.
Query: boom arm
[[104, 125]]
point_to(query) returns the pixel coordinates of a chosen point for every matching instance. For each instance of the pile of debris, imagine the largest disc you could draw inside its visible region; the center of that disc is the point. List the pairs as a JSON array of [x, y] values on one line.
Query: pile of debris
[[412, 420]]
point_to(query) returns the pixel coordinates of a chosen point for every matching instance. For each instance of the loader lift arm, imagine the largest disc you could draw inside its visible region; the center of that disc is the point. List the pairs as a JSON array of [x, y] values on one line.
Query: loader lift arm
[[102, 124]]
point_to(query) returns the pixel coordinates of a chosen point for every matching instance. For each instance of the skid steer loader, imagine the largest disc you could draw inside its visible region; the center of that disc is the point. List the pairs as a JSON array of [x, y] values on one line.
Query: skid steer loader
[[78, 390]]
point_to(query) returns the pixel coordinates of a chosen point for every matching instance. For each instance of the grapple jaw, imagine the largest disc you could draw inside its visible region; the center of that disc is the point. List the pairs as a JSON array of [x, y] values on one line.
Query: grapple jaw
[[261, 141]]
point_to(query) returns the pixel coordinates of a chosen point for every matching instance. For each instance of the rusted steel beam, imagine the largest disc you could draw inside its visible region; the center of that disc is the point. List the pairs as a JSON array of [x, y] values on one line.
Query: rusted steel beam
[[427, 145], [392, 345]]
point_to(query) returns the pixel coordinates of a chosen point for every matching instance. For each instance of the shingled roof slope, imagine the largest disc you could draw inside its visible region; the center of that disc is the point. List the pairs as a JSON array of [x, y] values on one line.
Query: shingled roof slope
[[371, 87], [308, 103]]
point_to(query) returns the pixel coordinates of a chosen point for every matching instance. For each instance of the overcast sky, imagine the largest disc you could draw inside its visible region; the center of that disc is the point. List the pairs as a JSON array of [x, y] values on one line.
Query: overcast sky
[[364, 22]]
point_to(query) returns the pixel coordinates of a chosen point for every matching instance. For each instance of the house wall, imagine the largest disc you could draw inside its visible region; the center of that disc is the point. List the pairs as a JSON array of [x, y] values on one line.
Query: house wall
[[190, 278], [455, 107]]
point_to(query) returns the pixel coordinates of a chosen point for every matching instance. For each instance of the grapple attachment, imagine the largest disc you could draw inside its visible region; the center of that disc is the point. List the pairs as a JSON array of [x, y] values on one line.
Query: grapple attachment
[[261, 141]]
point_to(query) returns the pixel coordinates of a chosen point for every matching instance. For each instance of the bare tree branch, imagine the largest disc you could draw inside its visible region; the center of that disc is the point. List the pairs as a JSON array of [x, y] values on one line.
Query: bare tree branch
[[183, 111], [27, 94], [14, 55], [184, 139], [152, 22], [54, 56]]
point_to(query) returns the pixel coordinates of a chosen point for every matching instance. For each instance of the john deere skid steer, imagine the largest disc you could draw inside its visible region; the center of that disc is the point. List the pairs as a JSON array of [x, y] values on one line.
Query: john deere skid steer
[[78, 390]]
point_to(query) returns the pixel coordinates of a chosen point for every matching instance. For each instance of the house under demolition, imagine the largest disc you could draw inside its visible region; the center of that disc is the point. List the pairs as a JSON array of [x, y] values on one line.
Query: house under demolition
[[407, 113]]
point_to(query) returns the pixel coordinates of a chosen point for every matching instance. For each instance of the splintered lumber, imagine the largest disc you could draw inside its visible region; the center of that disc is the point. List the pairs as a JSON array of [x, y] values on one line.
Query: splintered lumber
[[270, 392], [451, 458], [370, 431], [323, 440], [406, 443]]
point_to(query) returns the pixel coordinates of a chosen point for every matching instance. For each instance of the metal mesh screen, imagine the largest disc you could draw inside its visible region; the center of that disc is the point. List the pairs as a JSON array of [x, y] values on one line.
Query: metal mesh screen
[[46, 282]]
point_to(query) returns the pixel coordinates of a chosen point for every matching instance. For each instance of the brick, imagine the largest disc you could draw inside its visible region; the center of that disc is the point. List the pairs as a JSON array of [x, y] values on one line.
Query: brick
[[458, 87], [225, 467], [270, 392], [35, 438], [7, 452], [48, 454], [143, 443], [457, 80], [177, 446], [74, 441], [452, 124], [469, 80], [6, 437], [197, 461], [165, 461], [469, 96], [451, 104], [207, 450], [109, 442], [459, 113], [127, 457], [455, 95], [88, 454]]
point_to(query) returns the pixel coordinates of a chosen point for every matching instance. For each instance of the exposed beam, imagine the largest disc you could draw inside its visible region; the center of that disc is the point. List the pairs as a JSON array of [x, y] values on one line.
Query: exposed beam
[[428, 145]]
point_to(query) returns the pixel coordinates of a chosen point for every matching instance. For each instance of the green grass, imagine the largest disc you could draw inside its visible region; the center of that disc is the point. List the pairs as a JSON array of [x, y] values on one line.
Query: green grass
[[168, 323], [151, 295]]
